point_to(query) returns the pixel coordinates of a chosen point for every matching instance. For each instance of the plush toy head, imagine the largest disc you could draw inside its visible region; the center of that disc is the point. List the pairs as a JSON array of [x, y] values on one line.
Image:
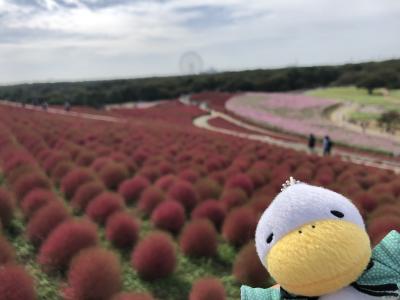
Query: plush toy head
[[312, 240]]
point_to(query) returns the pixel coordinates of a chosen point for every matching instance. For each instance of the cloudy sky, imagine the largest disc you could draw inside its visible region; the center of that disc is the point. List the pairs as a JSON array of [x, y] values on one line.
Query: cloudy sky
[[43, 40]]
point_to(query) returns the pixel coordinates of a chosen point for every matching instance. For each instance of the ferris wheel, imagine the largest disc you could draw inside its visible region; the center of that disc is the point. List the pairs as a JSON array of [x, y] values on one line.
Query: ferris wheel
[[191, 63]]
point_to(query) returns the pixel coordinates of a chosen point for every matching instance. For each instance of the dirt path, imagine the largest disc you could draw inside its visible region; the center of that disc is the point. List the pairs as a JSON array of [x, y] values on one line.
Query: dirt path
[[202, 122]]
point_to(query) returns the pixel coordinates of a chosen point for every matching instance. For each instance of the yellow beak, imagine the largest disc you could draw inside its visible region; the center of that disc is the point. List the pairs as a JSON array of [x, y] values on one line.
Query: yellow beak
[[319, 258]]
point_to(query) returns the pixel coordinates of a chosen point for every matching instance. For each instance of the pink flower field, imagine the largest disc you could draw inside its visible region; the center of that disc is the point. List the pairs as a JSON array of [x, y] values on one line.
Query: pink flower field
[[300, 114]]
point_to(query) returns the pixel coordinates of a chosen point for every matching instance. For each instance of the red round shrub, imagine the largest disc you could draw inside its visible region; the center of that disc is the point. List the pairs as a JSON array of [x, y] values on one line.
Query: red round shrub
[[103, 206], [189, 175], [152, 173], [208, 188], [132, 296], [60, 170], [7, 253], [165, 182], [28, 182], [131, 189], [385, 210], [113, 174], [239, 226], [211, 210], [367, 200], [233, 197], [122, 229], [99, 163], [154, 257], [73, 180], [85, 158], [45, 220], [184, 193], [199, 238], [94, 273], [248, 269], [150, 199], [169, 215], [86, 193], [14, 175], [242, 181], [6, 208], [207, 289], [16, 284], [54, 159], [256, 177], [64, 242], [35, 200], [381, 226]]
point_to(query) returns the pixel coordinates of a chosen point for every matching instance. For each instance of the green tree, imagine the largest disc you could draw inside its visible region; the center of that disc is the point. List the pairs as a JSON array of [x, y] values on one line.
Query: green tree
[[389, 120]]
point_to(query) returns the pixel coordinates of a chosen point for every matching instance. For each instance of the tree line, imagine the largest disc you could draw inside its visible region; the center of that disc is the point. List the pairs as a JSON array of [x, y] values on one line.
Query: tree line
[[97, 93]]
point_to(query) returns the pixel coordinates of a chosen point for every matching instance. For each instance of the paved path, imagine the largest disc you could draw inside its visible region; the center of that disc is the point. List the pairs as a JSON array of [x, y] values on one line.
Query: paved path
[[264, 137]]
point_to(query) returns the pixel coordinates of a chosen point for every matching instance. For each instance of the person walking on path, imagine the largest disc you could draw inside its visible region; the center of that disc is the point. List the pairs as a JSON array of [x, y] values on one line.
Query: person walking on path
[[311, 143], [327, 145]]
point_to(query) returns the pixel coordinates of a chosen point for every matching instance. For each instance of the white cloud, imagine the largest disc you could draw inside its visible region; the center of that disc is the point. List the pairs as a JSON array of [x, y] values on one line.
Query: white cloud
[[149, 35]]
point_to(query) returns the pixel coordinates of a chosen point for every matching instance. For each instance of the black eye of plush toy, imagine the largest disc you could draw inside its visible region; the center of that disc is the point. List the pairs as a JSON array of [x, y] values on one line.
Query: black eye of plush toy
[[337, 213], [269, 238]]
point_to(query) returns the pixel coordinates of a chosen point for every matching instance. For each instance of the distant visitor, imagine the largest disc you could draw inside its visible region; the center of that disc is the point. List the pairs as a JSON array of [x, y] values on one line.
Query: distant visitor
[[327, 145], [311, 143]]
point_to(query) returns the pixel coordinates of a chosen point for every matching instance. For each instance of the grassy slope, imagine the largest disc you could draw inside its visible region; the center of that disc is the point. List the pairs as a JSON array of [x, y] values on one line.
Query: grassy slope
[[353, 94], [360, 96]]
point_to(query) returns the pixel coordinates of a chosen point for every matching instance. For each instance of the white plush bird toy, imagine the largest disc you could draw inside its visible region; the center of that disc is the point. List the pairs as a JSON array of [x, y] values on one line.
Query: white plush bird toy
[[314, 244]]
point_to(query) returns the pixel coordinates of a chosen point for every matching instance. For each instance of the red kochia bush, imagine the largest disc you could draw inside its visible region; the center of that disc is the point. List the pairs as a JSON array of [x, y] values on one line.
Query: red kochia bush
[[233, 197], [165, 182], [207, 289], [36, 199], [6, 208], [248, 269], [131, 189], [112, 174], [16, 284], [73, 180], [169, 215], [94, 273], [149, 199], [45, 220], [189, 175], [242, 181], [199, 238], [380, 226], [29, 182], [211, 210], [122, 229], [64, 242], [132, 296], [60, 170], [367, 200], [154, 257], [208, 188], [239, 226], [86, 193], [103, 206], [7, 253], [184, 193]]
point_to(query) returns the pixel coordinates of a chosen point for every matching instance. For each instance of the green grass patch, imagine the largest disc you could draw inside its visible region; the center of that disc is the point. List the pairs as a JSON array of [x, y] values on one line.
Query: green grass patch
[[361, 96], [363, 116]]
